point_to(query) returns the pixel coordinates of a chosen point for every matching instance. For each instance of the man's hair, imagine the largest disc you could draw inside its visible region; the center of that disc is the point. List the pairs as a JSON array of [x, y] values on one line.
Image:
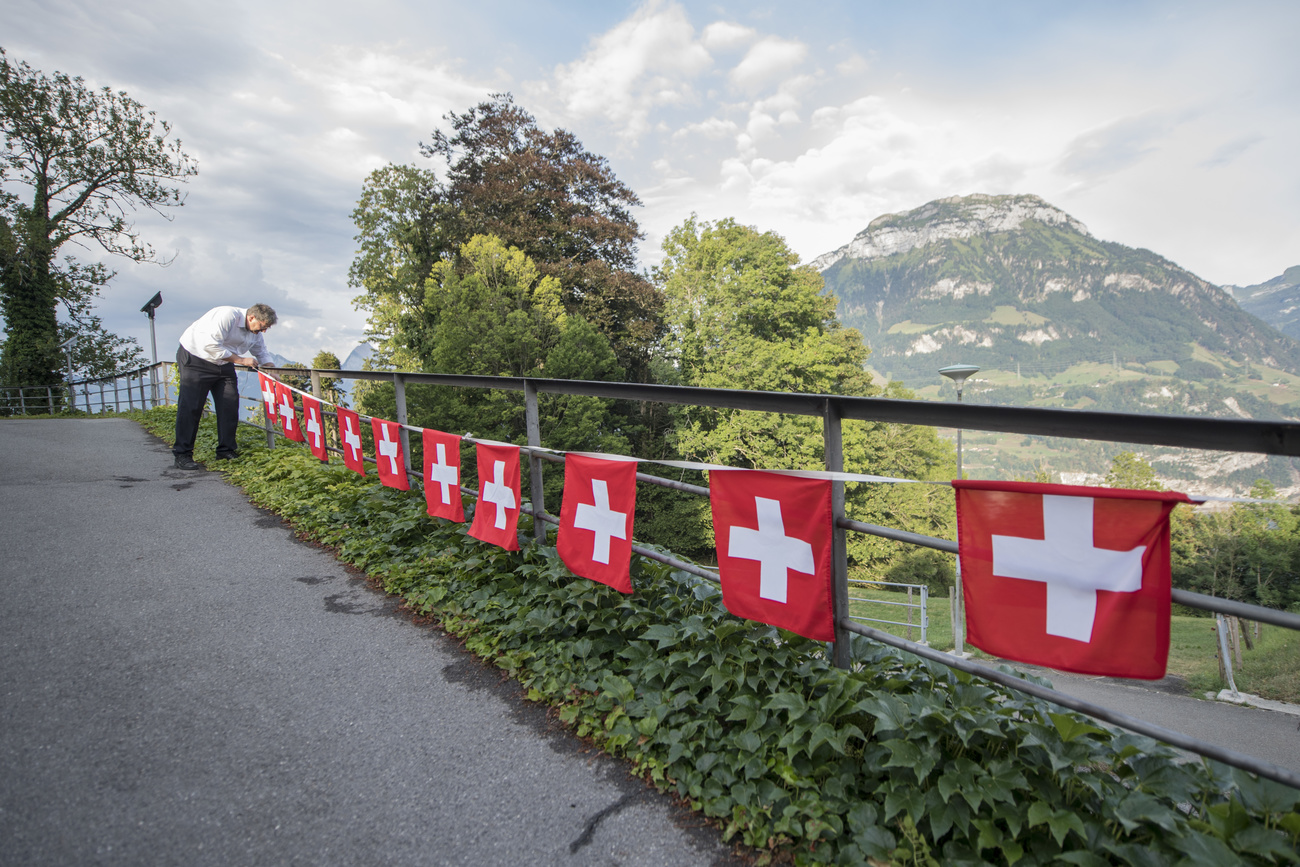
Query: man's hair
[[263, 314]]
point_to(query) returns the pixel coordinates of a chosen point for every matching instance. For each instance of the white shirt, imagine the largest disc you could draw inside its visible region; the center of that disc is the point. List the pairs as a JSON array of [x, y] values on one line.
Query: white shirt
[[222, 333]]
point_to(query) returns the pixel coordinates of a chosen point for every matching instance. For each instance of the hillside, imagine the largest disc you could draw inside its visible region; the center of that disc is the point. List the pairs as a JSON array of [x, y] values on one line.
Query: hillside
[[1057, 317], [1276, 301]]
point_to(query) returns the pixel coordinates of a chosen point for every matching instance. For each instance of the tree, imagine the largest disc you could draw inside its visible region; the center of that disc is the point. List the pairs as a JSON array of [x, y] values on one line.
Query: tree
[[1127, 470], [89, 158], [741, 312], [539, 192]]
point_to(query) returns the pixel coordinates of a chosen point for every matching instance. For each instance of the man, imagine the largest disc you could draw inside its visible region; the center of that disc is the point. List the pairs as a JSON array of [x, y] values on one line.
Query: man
[[206, 359]]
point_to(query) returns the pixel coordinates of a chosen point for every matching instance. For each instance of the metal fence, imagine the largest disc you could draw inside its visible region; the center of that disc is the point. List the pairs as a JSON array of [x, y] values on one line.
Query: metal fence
[[921, 606], [142, 388], [1235, 435]]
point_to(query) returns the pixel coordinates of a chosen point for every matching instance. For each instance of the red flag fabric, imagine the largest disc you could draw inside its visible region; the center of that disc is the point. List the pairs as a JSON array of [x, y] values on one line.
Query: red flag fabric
[[1068, 577], [496, 516], [288, 414], [314, 426], [390, 460], [350, 437], [595, 538], [270, 395], [774, 549], [442, 475]]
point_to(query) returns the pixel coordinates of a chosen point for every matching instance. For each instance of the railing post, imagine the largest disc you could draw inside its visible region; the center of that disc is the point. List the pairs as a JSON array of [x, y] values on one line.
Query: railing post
[[49, 398], [833, 444], [22, 401], [167, 384], [315, 384], [534, 462], [399, 392]]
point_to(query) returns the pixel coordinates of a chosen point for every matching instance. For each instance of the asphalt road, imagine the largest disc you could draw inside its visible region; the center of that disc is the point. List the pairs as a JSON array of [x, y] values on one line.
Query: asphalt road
[[182, 682]]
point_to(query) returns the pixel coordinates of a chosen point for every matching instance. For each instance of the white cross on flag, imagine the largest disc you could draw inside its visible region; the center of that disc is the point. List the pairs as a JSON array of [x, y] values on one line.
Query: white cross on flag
[[270, 395], [389, 457], [595, 539], [350, 437], [773, 536], [314, 423], [288, 414], [1072, 578], [496, 516], [442, 475]]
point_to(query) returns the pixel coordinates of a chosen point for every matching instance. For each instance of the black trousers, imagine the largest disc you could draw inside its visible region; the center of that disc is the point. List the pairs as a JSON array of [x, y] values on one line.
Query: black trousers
[[198, 378]]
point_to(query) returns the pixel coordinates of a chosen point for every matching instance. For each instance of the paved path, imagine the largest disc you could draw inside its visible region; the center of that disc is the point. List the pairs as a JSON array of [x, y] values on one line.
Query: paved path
[[184, 683]]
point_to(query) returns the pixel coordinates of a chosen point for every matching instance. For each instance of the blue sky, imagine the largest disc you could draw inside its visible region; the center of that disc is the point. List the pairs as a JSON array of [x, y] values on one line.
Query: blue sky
[[1166, 125]]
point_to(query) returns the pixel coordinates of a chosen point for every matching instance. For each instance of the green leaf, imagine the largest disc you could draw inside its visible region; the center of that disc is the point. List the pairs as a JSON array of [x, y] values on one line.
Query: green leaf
[[1070, 726]]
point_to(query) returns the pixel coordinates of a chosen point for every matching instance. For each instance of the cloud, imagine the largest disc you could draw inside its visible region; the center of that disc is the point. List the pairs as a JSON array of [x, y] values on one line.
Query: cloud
[[770, 58], [1228, 152], [645, 61], [726, 36], [1116, 146]]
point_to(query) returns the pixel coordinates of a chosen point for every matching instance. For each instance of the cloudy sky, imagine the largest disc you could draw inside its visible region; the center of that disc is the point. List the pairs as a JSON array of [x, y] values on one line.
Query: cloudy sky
[[1166, 125]]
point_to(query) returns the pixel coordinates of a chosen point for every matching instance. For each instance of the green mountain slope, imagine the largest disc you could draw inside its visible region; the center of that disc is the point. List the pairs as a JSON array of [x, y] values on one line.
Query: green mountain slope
[[1276, 301], [1057, 317]]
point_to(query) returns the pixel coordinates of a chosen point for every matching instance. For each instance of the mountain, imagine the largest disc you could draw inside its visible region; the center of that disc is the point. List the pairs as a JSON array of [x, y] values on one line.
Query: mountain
[[1001, 280], [1057, 317], [1277, 302]]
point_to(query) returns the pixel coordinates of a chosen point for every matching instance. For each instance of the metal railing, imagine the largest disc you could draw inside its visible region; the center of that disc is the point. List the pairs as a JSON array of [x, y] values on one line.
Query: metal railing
[[142, 388], [922, 608], [1237, 435]]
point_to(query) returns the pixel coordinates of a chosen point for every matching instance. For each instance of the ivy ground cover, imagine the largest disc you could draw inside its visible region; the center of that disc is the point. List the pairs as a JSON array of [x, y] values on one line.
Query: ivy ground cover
[[899, 761]]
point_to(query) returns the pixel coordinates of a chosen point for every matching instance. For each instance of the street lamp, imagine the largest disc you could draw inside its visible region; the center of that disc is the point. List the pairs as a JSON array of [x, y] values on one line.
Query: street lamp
[[959, 373], [150, 306]]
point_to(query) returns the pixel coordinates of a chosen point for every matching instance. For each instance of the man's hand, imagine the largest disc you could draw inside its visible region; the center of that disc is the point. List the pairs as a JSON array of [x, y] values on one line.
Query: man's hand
[[245, 361]]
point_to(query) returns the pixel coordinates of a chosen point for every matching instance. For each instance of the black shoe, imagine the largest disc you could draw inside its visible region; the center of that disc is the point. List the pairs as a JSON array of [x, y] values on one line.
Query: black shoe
[[184, 463], [230, 456]]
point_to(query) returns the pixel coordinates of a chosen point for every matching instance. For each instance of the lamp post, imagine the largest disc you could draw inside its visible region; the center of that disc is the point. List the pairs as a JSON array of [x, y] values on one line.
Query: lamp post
[[150, 306], [959, 373]]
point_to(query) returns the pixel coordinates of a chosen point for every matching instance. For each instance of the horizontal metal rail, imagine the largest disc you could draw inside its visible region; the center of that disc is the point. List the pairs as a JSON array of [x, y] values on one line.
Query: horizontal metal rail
[[1220, 434]]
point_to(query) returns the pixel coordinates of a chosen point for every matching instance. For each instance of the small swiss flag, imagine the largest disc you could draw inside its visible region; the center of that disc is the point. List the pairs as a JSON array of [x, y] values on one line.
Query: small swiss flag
[[595, 538], [774, 549], [389, 457], [350, 437], [270, 394], [314, 426], [288, 414], [442, 475], [496, 516], [1067, 577]]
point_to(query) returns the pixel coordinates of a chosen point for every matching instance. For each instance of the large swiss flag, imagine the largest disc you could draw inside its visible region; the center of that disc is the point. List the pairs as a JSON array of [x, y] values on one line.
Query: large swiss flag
[[313, 424], [350, 438], [496, 516], [288, 413], [389, 458], [774, 549], [442, 475], [1072, 578], [595, 539]]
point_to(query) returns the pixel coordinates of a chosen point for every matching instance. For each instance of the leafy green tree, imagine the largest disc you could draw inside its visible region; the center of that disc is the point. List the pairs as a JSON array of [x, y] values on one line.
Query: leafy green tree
[[88, 158], [741, 312], [540, 192], [492, 312], [1127, 470]]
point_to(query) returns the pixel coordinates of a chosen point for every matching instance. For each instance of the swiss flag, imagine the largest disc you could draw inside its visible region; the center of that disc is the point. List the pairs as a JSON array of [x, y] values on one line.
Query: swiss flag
[[270, 394], [314, 425], [288, 414], [1072, 578], [350, 437], [774, 549], [442, 475], [595, 538], [496, 516], [389, 458]]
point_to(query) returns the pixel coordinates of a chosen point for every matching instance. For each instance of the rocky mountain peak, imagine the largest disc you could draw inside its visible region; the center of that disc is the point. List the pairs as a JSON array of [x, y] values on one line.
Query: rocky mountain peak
[[944, 219]]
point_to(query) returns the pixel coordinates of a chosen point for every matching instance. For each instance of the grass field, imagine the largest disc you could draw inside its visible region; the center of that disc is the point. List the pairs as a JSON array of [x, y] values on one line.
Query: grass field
[[1271, 670]]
